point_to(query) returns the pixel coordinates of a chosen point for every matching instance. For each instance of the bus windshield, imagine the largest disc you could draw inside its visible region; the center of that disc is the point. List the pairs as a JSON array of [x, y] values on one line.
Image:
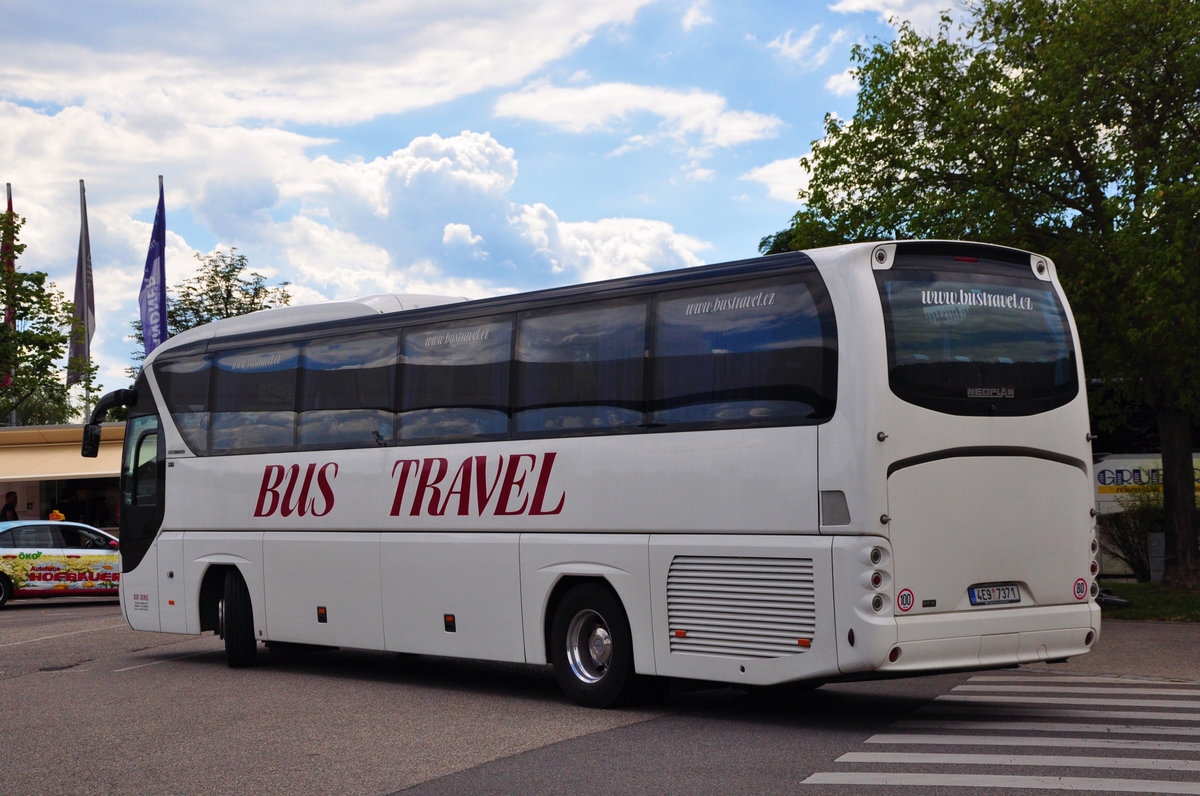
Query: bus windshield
[[973, 342]]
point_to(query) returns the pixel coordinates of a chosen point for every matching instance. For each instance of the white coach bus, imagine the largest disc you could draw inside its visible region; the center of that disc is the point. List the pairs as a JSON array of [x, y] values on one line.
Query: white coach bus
[[857, 461]]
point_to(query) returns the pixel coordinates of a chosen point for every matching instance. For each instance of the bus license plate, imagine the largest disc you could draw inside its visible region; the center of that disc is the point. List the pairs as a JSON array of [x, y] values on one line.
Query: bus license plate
[[994, 594]]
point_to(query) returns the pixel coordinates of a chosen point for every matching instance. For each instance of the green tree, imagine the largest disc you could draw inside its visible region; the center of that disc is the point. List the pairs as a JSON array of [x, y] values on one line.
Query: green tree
[[37, 326], [220, 289], [1069, 127], [808, 231]]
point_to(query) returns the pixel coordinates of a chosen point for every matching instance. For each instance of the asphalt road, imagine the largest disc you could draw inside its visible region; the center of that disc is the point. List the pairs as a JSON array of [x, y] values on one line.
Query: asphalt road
[[87, 705]]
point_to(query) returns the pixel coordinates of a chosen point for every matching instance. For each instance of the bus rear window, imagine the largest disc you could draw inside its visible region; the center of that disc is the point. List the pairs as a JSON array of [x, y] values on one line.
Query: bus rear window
[[968, 343]]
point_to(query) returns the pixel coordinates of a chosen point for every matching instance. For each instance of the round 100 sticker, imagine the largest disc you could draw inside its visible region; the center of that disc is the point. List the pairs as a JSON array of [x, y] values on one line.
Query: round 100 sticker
[[905, 600]]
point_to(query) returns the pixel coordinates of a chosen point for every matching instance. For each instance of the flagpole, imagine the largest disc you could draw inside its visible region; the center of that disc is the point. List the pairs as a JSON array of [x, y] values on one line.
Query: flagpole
[[85, 307], [9, 316]]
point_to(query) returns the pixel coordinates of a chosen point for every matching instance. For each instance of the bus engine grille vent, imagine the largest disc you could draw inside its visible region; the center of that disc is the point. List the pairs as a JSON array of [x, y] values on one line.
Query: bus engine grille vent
[[741, 607]]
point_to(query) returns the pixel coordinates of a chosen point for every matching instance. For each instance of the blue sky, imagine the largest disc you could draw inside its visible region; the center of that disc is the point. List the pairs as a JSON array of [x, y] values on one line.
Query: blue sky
[[464, 147]]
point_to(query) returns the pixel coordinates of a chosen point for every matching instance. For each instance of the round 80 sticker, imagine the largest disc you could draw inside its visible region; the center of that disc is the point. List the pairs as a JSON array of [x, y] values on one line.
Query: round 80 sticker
[[1081, 589], [905, 600]]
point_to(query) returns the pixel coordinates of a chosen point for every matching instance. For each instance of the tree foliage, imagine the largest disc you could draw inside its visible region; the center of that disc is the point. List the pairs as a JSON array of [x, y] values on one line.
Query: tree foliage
[[32, 385], [220, 289], [1069, 127]]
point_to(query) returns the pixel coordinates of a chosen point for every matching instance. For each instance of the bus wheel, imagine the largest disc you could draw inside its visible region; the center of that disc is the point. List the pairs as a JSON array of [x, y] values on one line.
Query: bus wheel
[[6, 589], [237, 623], [591, 647]]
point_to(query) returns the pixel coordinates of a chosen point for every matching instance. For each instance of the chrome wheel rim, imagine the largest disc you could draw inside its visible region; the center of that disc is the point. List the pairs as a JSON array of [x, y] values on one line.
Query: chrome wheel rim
[[589, 646]]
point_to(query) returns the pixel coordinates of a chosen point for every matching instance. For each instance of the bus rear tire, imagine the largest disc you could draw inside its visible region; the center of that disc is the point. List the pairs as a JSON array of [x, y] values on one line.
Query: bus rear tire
[[237, 623], [591, 647]]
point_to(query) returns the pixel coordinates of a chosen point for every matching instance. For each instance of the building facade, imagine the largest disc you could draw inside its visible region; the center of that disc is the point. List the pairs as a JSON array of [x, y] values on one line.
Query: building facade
[[43, 466]]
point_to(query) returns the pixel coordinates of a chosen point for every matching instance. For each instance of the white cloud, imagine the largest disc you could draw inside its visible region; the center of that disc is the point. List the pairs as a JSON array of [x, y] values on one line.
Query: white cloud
[[306, 62], [801, 50], [335, 228], [614, 247], [85, 92], [925, 15], [842, 84], [782, 178], [459, 235], [686, 116], [697, 15]]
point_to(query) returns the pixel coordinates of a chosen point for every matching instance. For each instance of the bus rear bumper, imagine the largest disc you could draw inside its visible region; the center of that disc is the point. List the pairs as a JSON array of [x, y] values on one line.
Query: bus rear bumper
[[980, 639]]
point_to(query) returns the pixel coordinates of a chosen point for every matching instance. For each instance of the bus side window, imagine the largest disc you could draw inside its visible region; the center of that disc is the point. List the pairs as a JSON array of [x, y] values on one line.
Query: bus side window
[[454, 380], [139, 476], [254, 399], [581, 369], [184, 383], [145, 473], [748, 353], [347, 391]]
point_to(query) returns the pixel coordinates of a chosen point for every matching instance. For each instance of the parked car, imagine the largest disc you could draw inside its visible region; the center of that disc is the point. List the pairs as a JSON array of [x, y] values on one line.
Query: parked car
[[44, 558]]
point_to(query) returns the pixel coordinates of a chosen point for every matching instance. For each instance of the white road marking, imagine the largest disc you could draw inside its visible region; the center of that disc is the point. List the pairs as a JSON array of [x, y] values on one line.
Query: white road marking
[[1060, 713], [164, 660], [1138, 691], [61, 635], [1008, 740], [1045, 726], [976, 781], [1047, 700], [1044, 761]]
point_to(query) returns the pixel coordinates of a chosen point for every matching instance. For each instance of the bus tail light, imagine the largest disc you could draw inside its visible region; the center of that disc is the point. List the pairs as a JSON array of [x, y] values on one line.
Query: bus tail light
[[876, 578]]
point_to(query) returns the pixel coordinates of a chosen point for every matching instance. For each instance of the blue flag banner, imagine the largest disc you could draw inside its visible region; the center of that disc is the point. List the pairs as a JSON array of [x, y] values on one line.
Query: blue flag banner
[[153, 298], [79, 357]]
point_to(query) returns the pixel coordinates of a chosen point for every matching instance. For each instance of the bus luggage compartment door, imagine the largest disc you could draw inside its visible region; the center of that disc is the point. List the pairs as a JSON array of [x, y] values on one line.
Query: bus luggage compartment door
[[988, 533], [172, 616], [753, 610]]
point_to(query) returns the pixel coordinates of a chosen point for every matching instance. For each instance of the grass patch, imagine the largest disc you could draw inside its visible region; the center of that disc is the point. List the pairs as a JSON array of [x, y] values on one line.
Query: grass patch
[[1153, 601]]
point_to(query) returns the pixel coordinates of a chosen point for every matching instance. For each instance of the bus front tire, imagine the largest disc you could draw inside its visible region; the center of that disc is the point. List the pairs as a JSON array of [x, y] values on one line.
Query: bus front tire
[[591, 647], [237, 623]]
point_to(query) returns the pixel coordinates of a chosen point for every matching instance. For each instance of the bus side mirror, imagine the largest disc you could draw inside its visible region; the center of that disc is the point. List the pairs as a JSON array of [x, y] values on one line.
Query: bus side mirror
[[91, 431], [91, 440]]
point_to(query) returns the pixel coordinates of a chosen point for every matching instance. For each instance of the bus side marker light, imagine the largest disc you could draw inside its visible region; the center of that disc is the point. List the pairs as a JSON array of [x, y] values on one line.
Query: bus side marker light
[[170, 602], [449, 623], [894, 655], [680, 634], [804, 642], [850, 637], [322, 615]]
